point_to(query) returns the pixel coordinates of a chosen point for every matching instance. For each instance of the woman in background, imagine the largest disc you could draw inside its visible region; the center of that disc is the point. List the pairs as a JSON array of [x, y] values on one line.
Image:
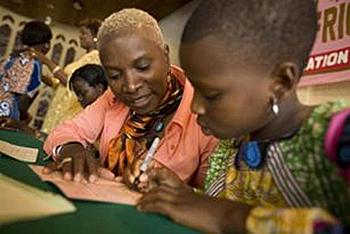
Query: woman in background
[[20, 74], [88, 83], [65, 105]]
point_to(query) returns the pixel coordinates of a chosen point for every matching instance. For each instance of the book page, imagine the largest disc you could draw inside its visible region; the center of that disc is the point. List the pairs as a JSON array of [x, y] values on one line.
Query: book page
[[19, 201], [102, 190], [20, 153]]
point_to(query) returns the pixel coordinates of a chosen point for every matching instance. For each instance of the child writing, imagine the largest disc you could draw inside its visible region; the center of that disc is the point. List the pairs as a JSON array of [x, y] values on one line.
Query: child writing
[[244, 59]]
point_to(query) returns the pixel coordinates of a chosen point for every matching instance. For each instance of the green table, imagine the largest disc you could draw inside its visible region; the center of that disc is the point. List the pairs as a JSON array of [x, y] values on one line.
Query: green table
[[90, 217]]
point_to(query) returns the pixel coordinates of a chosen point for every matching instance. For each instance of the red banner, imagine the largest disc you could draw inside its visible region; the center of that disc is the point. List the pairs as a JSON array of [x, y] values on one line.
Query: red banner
[[330, 58]]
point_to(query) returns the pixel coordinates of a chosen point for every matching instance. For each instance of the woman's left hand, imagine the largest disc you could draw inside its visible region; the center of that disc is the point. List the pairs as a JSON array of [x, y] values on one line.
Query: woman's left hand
[[170, 197], [37, 54], [8, 123]]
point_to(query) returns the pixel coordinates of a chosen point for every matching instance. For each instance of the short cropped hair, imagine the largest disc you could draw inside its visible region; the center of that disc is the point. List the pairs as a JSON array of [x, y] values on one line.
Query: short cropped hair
[[92, 24], [131, 19], [260, 32], [35, 33], [93, 74]]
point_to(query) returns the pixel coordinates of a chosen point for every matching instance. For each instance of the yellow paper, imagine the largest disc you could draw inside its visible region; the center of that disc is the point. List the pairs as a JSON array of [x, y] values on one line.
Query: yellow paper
[[21, 153], [19, 201]]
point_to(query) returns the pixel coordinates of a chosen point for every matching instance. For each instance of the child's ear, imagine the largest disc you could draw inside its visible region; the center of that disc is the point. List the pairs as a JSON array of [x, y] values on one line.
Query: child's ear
[[285, 79]]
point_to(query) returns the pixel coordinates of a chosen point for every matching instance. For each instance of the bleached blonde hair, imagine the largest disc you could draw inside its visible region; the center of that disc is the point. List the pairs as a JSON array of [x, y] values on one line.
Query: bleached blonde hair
[[131, 19]]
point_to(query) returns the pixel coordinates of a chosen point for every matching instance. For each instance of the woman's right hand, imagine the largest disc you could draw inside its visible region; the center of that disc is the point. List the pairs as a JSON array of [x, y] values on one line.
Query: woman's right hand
[[77, 163], [39, 55], [59, 74], [8, 123]]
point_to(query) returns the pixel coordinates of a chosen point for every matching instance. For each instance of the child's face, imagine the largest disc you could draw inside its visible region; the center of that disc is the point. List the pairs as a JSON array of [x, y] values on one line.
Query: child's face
[[230, 99], [86, 38], [86, 93]]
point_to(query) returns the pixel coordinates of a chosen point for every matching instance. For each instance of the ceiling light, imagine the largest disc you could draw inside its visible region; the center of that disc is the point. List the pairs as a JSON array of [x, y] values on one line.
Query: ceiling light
[[78, 4]]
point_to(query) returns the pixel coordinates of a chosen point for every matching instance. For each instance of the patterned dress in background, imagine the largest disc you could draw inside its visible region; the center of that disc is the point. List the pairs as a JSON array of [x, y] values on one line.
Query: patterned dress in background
[[64, 104], [19, 74]]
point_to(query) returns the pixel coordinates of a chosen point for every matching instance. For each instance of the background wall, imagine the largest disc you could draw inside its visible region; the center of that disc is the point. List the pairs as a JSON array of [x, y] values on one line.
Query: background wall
[[64, 36], [172, 27], [312, 95]]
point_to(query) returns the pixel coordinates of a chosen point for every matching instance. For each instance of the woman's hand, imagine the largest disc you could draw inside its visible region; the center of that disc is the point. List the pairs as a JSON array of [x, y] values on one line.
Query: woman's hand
[[170, 197], [39, 55], [76, 162], [59, 74], [7, 123]]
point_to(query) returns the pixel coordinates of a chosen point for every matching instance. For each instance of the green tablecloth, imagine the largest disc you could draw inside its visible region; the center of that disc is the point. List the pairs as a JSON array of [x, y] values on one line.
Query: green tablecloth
[[90, 217]]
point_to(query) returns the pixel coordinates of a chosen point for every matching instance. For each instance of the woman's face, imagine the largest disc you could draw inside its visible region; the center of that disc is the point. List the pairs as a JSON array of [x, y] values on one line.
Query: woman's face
[[137, 70], [230, 99], [85, 92], [86, 38]]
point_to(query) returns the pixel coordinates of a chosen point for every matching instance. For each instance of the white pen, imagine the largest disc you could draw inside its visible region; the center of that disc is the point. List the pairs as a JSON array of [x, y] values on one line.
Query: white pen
[[150, 154]]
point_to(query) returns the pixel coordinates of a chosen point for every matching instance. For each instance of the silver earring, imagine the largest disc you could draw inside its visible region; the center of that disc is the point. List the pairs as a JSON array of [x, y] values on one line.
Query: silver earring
[[95, 39], [133, 87], [275, 108], [168, 79]]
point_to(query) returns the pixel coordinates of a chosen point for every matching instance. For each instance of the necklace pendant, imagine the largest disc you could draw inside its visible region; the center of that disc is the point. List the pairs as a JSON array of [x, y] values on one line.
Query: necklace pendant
[[159, 127], [252, 155]]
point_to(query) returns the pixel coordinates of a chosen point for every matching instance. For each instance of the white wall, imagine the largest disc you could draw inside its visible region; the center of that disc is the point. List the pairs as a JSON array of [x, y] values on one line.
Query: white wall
[[57, 29], [172, 27]]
